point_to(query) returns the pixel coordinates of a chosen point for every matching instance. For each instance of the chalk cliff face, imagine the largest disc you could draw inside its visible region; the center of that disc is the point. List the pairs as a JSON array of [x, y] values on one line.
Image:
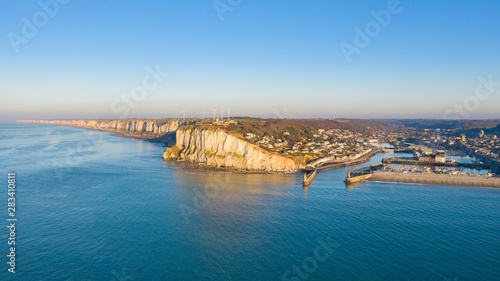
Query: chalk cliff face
[[140, 128], [216, 148]]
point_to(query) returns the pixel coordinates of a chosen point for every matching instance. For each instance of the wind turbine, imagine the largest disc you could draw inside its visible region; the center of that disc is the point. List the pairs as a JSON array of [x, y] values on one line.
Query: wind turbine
[[184, 114], [222, 113], [228, 113], [215, 111], [203, 112]]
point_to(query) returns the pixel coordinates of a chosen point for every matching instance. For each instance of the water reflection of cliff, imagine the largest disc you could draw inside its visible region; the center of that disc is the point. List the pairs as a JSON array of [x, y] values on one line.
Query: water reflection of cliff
[[226, 212], [233, 185]]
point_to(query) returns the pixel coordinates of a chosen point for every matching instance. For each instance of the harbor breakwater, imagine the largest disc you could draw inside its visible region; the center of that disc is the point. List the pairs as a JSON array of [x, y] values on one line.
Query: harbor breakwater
[[437, 179]]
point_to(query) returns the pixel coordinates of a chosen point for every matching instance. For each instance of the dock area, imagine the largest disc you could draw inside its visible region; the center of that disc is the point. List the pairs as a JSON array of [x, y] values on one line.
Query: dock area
[[311, 170], [437, 179], [363, 173], [415, 161]]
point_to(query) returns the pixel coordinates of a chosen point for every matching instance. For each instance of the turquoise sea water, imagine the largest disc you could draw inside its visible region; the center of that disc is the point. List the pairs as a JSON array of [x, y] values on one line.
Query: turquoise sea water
[[94, 206]]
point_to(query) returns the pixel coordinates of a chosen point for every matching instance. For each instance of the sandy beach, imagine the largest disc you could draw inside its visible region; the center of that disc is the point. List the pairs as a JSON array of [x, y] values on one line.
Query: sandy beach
[[424, 178]]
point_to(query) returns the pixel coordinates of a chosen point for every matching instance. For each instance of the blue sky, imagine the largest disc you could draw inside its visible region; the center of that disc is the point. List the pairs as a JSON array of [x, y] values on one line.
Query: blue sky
[[265, 58]]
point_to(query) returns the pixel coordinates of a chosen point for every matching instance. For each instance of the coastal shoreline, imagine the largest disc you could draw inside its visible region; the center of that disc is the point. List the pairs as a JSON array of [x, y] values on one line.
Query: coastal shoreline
[[190, 165], [143, 129], [436, 179]]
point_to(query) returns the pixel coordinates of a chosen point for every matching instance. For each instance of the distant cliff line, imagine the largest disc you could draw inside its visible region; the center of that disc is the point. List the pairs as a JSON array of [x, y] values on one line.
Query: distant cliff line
[[205, 145], [138, 128]]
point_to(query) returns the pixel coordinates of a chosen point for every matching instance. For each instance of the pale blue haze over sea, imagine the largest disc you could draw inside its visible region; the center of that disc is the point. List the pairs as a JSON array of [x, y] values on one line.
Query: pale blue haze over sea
[[94, 206]]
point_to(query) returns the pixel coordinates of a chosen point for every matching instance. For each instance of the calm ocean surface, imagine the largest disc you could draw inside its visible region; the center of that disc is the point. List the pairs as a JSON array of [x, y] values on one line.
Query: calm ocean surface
[[94, 206]]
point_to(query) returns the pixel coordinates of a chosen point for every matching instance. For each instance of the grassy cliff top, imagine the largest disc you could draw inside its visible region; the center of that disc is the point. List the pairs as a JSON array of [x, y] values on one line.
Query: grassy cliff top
[[201, 127]]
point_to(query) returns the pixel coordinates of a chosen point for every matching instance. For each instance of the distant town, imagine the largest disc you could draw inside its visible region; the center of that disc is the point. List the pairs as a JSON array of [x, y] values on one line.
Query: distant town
[[433, 146], [306, 138]]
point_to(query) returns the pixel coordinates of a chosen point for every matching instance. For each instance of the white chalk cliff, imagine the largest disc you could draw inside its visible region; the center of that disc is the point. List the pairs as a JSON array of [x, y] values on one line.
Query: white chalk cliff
[[214, 147]]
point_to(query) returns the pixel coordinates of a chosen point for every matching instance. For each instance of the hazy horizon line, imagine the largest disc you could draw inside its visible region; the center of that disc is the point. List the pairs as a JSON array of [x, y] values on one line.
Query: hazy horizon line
[[264, 117]]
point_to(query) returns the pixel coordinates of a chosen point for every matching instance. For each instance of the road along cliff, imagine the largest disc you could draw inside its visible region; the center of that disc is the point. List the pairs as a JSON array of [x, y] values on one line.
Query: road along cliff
[[214, 147]]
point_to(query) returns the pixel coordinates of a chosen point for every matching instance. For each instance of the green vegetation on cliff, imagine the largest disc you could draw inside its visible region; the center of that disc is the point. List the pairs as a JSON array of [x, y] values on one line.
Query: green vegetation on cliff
[[172, 153]]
